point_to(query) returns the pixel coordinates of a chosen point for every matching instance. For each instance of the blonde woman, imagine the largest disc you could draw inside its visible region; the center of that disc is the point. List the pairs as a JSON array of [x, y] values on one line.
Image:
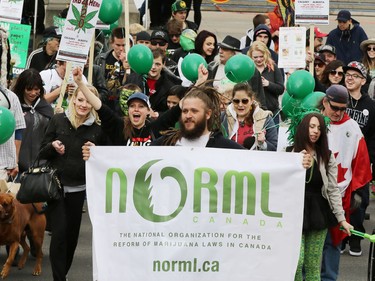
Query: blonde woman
[[62, 147], [272, 80]]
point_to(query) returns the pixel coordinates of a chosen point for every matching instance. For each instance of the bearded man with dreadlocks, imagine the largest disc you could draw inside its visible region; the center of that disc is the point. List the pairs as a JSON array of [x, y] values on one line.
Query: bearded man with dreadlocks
[[199, 122]]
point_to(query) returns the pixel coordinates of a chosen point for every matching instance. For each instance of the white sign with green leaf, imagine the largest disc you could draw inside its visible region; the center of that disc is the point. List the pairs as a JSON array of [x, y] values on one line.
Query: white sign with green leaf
[[78, 30]]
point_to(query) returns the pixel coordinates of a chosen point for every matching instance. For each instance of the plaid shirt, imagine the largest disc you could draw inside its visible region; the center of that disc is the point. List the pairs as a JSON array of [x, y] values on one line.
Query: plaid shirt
[[8, 149]]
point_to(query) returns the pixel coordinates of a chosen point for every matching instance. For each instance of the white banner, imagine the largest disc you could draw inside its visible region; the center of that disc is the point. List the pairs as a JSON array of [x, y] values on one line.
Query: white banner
[[79, 30], [195, 214]]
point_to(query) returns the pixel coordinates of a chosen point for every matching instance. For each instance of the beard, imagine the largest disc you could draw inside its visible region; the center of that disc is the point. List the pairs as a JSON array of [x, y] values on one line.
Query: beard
[[196, 132]]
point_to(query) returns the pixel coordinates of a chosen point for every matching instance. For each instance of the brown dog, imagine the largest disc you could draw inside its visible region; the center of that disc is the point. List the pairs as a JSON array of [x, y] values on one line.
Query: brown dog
[[14, 218]]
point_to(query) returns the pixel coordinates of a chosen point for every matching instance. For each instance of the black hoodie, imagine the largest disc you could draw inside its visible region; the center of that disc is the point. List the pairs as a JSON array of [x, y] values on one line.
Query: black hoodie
[[363, 112]]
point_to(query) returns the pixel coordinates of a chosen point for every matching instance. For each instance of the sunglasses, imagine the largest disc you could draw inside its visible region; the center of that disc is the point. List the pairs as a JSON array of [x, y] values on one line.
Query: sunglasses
[[336, 108], [320, 64], [335, 72], [160, 43], [370, 49], [243, 101], [175, 35]]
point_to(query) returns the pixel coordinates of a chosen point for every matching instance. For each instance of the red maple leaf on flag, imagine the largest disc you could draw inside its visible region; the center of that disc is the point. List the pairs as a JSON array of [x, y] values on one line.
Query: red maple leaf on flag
[[341, 171]]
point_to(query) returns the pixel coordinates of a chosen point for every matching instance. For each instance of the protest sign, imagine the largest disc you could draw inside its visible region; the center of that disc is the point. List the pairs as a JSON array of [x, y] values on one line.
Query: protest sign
[[78, 31], [11, 10]]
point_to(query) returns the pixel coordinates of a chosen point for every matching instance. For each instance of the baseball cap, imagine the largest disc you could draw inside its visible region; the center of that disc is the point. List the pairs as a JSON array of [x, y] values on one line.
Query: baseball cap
[[337, 93], [318, 33], [344, 15], [143, 35], [141, 97], [159, 34], [328, 48], [357, 66], [179, 6], [320, 57], [51, 32]]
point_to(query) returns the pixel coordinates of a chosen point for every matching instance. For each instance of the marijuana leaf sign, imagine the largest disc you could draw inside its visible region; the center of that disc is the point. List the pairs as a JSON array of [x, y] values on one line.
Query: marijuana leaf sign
[[81, 20]]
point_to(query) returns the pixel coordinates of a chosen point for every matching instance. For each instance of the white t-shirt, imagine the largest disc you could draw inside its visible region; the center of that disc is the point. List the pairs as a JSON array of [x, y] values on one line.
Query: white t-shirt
[[199, 142], [52, 79]]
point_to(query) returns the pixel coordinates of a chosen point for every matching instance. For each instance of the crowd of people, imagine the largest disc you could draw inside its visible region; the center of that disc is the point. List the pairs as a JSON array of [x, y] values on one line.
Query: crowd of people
[[163, 107]]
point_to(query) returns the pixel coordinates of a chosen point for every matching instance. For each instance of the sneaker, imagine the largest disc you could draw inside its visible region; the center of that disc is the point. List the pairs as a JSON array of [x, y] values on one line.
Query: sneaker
[[343, 247], [355, 247], [355, 253]]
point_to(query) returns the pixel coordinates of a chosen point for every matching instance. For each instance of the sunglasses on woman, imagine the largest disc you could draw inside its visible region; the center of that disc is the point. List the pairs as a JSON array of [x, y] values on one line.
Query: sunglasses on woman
[[338, 73], [370, 49], [243, 101]]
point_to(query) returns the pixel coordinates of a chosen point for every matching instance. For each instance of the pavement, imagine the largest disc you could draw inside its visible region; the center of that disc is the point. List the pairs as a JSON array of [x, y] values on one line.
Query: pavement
[[221, 23]]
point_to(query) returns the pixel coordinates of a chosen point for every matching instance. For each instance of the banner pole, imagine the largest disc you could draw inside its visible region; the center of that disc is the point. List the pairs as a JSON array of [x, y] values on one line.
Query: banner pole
[[311, 40], [35, 18], [127, 24]]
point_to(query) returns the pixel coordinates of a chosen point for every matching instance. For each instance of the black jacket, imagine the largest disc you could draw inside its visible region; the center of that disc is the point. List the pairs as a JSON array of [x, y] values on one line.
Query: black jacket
[[37, 120], [166, 81], [113, 126], [216, 140], [363, 112], [71, 166]]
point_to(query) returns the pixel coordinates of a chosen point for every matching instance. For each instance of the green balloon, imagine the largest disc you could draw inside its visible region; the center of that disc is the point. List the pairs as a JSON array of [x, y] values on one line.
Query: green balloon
[[289, 105], [110, 11], [111, 27], [190, 65], [7, 124], [300, 84], [313, 100], [140, 58], [239, 68]]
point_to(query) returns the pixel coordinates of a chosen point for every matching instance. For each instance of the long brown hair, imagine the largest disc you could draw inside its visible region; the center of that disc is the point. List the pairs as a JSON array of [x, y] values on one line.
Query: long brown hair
[[249, 120], [302, 139]]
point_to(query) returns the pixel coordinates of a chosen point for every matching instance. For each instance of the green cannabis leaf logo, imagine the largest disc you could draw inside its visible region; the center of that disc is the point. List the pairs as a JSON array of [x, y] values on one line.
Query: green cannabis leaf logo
[[142, 192], [81, 20]]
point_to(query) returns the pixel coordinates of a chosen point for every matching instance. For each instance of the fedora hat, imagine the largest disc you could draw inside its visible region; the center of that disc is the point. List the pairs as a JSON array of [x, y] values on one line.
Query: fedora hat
[[230, 43]]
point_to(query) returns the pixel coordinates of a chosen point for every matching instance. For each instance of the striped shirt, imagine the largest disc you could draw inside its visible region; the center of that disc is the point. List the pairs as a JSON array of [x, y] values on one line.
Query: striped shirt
[[8, 157]]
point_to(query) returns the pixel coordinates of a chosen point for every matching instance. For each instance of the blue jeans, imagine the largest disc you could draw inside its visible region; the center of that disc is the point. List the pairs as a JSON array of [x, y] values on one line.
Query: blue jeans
[[330, 261]]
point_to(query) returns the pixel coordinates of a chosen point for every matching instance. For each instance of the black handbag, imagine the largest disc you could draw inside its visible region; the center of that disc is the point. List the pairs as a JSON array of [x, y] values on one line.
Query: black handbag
[[39, 184]]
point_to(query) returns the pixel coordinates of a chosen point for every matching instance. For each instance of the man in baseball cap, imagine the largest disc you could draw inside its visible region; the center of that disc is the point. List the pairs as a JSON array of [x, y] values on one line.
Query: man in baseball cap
[[347, 37], [179, 12], [329, 52], [44, 57], [361, 108], [318, 38], [347, 144], [159, 39]]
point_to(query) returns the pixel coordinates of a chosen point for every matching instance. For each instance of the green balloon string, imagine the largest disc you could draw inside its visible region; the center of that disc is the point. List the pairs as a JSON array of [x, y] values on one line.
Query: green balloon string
[[144, 80]]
